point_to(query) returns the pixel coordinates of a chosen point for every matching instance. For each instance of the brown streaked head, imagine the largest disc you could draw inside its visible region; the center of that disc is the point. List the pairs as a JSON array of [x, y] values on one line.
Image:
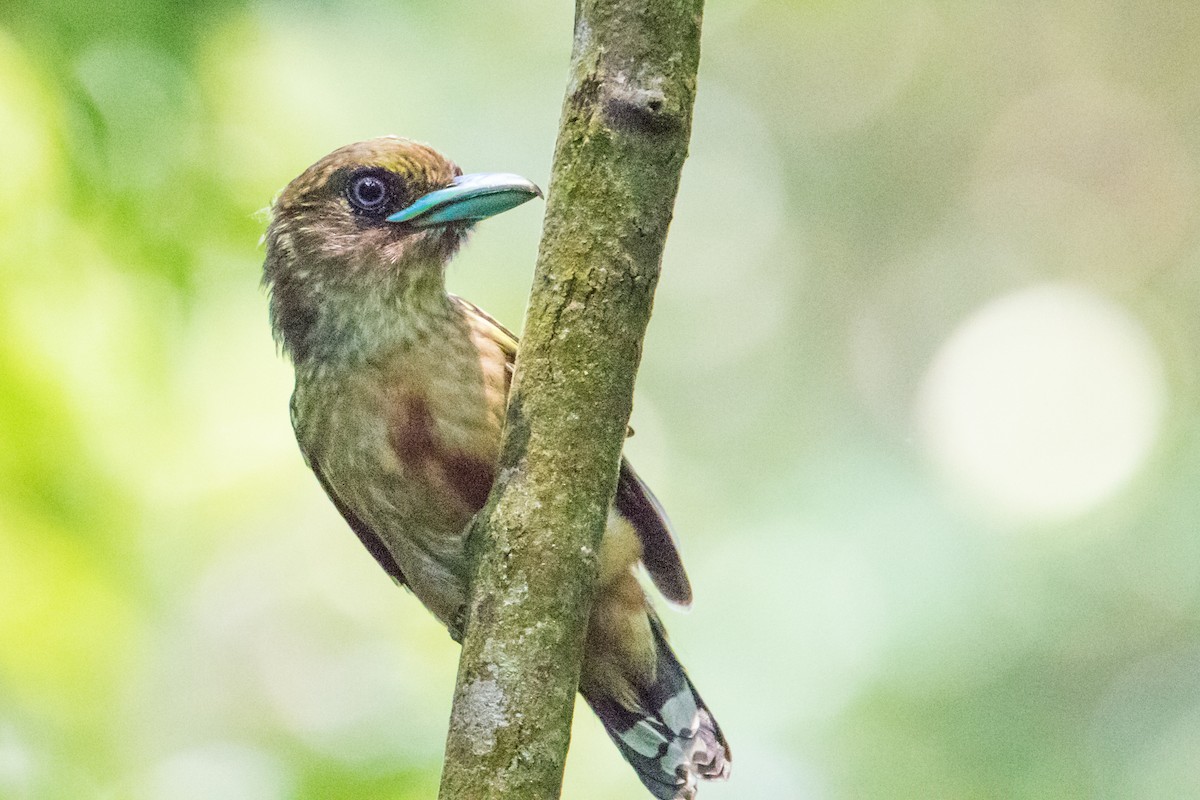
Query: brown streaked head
[[372, 222], [337, 209]]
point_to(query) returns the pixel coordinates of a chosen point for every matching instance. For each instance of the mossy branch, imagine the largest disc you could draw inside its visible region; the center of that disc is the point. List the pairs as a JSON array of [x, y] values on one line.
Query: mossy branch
[[622, 141]]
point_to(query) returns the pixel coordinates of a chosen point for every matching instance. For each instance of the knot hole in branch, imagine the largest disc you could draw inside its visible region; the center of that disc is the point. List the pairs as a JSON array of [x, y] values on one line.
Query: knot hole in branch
[[636, 110]]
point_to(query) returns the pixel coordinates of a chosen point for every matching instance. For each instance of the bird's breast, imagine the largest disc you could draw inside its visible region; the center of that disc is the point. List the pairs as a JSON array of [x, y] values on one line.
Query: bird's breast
[[409, 442]]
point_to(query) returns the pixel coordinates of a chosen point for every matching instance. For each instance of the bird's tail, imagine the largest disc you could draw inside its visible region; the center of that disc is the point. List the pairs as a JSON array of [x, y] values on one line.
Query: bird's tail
[[670, 738]]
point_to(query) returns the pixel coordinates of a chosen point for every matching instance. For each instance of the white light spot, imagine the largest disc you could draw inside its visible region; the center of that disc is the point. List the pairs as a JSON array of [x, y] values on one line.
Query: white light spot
[[223, 769], [1044, 401], [18, 765]]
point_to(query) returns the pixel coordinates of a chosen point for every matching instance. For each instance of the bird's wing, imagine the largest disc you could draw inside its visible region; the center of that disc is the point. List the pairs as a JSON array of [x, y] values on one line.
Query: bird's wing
[[505, 339], [368, 537], [634, 501], [660, 548]]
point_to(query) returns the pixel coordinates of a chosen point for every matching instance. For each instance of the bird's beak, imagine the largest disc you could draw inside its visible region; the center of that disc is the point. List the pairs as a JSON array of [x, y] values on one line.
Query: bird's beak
[[468, 198]]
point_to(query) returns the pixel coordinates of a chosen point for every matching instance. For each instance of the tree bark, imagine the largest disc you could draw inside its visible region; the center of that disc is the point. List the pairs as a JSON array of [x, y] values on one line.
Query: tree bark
[[622, 141]]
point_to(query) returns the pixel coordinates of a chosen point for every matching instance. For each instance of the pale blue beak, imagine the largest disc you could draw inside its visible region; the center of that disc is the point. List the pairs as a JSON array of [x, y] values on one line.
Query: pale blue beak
[[468, 198]]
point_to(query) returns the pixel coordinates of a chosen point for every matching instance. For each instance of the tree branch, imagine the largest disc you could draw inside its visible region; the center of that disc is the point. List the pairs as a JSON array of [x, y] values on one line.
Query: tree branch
[[622, 142]]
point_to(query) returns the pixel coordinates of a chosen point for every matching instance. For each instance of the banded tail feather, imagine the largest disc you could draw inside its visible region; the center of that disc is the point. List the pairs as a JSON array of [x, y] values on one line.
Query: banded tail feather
[[670, 738]]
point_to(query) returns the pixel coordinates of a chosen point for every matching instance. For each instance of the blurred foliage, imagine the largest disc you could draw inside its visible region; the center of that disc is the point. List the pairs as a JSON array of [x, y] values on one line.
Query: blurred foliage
[[920, 393]]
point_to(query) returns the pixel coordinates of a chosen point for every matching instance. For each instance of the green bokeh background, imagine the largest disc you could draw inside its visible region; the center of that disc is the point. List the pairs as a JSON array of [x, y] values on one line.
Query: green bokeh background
[[920, 393]]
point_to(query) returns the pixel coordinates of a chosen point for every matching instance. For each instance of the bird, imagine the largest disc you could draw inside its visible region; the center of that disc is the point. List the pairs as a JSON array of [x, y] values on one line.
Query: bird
[[398, 410]]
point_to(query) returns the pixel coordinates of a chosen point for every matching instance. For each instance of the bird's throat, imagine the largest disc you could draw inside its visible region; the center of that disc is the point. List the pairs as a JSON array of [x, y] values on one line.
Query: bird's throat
[[347, 322]]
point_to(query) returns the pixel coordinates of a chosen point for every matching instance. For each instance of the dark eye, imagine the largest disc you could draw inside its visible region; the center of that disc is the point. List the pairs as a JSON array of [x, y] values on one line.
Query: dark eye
[[369, 192]]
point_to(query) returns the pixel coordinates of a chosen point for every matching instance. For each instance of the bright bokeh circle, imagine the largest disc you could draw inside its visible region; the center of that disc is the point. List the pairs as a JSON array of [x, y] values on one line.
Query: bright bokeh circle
[[1043, 402]]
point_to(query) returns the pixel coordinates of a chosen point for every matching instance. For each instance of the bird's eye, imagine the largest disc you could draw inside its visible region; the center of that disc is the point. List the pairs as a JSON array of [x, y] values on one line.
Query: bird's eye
[[369, 192]]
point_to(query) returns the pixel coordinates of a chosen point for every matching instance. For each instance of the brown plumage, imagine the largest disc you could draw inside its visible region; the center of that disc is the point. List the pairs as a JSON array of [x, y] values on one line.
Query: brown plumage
[[398, 409]]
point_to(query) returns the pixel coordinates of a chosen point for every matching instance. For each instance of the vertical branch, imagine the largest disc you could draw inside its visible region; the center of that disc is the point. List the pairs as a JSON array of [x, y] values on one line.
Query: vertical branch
[[622, 141]]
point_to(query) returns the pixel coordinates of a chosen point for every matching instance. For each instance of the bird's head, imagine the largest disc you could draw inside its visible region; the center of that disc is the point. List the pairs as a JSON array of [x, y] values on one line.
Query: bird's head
[[376, 218]]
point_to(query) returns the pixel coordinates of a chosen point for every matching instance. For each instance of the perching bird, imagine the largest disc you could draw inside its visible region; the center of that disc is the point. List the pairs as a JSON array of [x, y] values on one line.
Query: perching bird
[[398, 407]]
